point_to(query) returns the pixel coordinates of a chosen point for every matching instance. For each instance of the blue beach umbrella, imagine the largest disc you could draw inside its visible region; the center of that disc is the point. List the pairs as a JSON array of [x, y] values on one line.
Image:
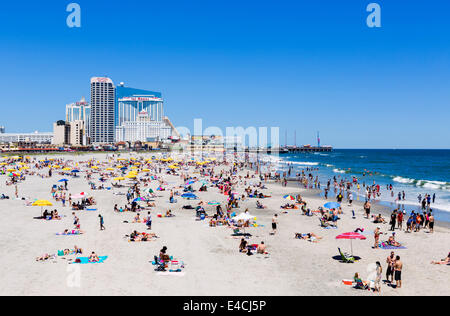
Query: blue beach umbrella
[[332, 205], [75, 171], [189, 196], [63, 180]]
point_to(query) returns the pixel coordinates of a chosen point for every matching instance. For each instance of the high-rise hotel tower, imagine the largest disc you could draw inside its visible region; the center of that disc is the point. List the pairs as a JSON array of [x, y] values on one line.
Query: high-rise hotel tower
[[102, 110]]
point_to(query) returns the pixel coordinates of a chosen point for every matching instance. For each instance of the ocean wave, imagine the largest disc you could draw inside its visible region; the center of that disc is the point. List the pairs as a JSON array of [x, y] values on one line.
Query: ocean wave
[[337, 170], [427, 184], [305, 163], [403, 180]]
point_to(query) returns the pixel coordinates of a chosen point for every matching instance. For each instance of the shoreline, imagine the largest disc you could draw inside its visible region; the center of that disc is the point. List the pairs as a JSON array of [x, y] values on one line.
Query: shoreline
[[292, 267]]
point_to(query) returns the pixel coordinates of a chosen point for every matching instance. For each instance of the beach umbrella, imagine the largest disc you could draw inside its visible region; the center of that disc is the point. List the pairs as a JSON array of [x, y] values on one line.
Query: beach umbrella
[[75, 171], [190, 182], [42, 203], [214, 203], [63, 180], [289, 197], [119, 179], [79, 196], [67, 169], [351, 236], [243, 217], [189, 196], [140, 199], [148, 191], [332, 205]]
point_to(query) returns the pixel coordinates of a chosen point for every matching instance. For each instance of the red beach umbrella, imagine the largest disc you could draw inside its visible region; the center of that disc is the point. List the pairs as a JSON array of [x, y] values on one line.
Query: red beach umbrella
[[351, 236]]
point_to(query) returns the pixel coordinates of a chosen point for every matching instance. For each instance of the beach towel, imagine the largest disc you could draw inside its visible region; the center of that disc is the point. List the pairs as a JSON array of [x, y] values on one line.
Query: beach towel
[[68, 234], [91, 209], [388, 247], [329, 227], [168, 273], [85, 260]]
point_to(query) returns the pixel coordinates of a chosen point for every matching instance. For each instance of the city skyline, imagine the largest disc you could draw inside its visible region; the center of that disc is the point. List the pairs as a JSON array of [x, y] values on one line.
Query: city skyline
[[323, 70]]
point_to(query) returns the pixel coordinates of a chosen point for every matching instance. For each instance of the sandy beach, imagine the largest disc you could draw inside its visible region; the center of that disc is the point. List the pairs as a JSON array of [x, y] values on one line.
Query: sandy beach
[[213, 264]]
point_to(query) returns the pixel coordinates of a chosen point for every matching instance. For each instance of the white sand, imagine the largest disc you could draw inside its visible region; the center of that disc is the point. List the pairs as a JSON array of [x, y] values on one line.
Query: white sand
[[213, 264]]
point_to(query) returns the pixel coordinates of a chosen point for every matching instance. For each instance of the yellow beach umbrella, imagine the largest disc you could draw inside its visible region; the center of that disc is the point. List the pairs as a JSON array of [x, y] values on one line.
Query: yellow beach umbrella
[[119, 179], [42, 203]]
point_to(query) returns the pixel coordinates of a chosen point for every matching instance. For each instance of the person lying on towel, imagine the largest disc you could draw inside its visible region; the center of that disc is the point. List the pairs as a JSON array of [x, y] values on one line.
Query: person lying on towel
[[93, 257]]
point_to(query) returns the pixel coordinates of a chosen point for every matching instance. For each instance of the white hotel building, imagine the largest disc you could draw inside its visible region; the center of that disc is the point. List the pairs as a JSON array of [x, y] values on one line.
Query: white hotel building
[[141, 118]]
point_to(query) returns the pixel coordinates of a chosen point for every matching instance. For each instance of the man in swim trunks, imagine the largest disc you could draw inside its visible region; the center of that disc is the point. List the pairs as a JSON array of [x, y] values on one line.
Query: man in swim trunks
[[261, 248], [390, 268], [398, 265], [367, 208], [274, 224], [431, 222]]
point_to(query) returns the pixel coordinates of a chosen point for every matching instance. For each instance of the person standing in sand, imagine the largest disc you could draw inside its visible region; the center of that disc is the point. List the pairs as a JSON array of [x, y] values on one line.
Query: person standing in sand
[[431, 222], [367, 208], [102, 227], [377, 234], [148, 221], [274, 224], [398, 266], [390, 268], [379, 271]]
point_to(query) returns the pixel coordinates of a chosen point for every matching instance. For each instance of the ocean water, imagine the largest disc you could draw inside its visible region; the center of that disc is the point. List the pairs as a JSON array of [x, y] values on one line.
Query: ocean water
[[413, 171]]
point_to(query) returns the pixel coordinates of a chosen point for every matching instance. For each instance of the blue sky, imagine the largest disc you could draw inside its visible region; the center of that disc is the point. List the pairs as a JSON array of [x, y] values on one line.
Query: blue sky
[[299, 65]]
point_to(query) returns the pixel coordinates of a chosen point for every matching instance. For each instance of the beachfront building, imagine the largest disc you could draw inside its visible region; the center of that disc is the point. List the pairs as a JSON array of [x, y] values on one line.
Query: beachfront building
[[102, 111], [142, 129], [36, 137], [69, 133], [139, 116], [79, 111]]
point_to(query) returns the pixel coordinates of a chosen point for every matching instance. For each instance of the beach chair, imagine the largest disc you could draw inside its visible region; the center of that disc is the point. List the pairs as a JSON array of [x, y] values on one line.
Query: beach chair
[[346, 257]]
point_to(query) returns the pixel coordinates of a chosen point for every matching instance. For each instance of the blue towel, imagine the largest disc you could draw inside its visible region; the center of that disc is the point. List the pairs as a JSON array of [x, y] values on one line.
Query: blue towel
[[85, 260], [392, 247], [91, 209]]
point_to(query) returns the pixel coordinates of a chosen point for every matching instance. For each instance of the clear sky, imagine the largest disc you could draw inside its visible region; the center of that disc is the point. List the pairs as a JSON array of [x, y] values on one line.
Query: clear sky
[[300, 65]]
